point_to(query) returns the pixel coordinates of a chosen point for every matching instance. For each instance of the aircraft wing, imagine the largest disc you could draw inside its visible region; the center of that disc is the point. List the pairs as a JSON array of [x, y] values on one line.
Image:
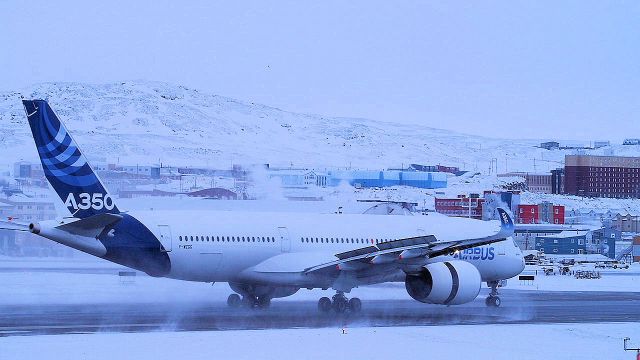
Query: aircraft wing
[[377, 254], [421, 246]]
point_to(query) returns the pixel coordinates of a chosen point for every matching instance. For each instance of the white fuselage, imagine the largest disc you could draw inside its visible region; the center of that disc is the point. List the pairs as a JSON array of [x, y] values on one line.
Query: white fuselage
[[264, 247]]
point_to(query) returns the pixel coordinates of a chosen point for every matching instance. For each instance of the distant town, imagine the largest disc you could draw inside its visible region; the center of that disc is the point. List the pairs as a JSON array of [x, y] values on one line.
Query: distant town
[[542, 228]]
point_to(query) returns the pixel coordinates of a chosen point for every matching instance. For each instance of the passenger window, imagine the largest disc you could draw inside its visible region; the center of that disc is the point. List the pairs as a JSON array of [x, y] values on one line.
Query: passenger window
[[253, 239], [233, 239], [192, 238], [180, 237]]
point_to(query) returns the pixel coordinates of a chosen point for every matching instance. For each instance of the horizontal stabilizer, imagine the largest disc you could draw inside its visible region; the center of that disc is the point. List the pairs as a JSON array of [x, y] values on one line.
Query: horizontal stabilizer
[[13, 226], [94, 222]]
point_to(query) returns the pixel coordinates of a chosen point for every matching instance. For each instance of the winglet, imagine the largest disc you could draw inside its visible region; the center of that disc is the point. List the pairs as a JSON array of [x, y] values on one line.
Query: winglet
[[506, 222]]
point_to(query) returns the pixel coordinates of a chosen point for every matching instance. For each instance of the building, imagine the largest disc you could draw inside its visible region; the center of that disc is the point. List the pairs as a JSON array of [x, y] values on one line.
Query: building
[[550, 213], [298, 178], [22, 169], [603, 241], [601, 143], [142, 170], [602, 176], [528, 214], [448, 169], [563, 243], [627, 223], [636, 248], [462, 206], [544, 212], [493, 200], [376, 178], [631, 142], [424, 168], [537, 183], [550, 145], [526, 234], [557, 181], [27, 209]]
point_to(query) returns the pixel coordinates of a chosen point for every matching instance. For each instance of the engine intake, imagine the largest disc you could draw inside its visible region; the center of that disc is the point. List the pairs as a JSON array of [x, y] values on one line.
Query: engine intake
[[448, 283]]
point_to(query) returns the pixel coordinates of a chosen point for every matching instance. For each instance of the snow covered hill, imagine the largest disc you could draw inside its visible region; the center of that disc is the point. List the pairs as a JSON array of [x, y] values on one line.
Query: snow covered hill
[[151, 122]]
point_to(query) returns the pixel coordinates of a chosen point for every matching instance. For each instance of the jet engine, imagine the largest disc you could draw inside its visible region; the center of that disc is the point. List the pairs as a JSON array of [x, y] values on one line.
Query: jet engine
[[448, 283]]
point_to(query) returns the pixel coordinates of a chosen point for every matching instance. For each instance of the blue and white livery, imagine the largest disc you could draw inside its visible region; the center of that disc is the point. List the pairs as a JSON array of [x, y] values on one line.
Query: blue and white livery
[[263, 256]]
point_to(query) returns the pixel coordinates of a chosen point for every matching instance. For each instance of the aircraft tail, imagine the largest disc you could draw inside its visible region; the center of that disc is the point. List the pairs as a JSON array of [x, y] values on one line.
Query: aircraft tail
[[65, 167]]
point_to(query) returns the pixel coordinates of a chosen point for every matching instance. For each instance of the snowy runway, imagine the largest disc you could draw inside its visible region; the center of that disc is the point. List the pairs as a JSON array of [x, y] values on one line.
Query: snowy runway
[[519, 307]]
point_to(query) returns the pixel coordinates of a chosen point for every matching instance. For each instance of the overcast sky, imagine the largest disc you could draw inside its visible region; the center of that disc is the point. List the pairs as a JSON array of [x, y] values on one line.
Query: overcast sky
[[532, 69]]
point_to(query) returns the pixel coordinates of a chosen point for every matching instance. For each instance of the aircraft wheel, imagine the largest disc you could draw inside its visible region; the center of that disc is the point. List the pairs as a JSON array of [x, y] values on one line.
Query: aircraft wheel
[[234, 300], [264, 302], [324, 304], [340, 304], [492, 301], [249, 301], [355, 305]]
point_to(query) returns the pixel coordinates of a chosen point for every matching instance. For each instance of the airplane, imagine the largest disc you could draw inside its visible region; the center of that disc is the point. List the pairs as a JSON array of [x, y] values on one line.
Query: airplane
[[264, 255]]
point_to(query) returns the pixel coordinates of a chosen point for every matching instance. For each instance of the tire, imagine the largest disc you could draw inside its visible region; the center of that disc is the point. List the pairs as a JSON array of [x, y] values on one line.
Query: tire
[[234, 300], [264, 302], [324, 304], [355, 305], [249, 301], [496, 301], [340, 304]]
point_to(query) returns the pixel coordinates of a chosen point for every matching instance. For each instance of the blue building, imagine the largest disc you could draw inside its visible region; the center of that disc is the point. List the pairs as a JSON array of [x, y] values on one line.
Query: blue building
[[564, 243], [604, 241], [376, 178]]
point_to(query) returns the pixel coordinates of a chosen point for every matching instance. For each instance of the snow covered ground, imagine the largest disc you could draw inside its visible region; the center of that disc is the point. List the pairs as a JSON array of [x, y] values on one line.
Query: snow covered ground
[[67, 284], [561, 341], [138, 122]]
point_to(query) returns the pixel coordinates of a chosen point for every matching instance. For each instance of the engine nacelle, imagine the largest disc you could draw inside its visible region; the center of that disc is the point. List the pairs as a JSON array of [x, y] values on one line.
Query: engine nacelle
[[448, 283]]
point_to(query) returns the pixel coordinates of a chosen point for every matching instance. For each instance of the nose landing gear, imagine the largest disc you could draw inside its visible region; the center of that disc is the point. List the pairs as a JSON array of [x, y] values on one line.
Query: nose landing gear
[[493, 300], [340, 304]]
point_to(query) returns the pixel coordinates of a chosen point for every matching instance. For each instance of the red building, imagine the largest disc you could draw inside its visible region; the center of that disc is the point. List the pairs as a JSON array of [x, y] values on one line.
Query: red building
[[448, 169], [541, 213], [558, 214], [461, 206], [602, 176], [528, 214]]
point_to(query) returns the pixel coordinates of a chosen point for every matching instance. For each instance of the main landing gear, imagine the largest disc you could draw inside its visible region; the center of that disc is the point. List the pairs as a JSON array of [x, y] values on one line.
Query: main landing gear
[[493, 300], [261, 302], [340, 304]]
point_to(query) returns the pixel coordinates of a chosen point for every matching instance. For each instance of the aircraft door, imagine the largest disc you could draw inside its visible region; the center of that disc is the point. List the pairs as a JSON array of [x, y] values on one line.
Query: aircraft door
[[165, 237], [285, 241]]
